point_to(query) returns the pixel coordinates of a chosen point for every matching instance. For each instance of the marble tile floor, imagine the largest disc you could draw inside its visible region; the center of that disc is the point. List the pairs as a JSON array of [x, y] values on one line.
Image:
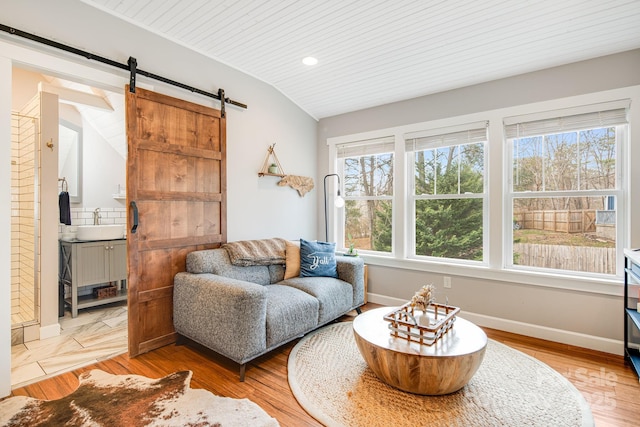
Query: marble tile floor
[[95, 334]]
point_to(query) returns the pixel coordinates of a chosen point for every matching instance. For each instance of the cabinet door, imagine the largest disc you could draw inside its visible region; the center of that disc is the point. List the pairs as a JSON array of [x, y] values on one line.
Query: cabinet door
[[118, 261], [92, 263]]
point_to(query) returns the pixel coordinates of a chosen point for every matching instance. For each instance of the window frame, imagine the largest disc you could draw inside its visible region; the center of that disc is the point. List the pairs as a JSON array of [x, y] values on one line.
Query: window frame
[[496, 166], [340, 225], [621, 143], [411, 198]]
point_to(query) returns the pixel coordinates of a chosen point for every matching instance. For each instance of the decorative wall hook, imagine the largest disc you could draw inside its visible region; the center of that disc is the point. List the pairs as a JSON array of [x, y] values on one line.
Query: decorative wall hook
[[50, 144]]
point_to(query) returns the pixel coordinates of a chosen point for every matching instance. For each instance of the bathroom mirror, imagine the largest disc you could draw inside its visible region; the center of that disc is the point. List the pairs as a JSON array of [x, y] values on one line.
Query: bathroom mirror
[[70, 159]]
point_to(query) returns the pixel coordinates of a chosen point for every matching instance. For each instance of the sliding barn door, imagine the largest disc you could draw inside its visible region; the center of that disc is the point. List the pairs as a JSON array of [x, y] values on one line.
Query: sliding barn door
[[176, 193]]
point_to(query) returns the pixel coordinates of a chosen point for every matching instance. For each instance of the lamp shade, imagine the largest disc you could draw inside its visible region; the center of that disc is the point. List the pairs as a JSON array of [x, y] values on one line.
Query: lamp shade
[[338, 202]]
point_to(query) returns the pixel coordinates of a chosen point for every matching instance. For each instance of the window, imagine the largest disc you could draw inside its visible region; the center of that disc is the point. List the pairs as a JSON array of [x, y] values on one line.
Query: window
[[367, 168], [447, 192], [565, 191], [541, 197]]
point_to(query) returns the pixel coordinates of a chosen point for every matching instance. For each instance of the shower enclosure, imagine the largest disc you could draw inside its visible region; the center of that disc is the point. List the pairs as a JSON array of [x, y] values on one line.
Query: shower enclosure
[[25, 295]]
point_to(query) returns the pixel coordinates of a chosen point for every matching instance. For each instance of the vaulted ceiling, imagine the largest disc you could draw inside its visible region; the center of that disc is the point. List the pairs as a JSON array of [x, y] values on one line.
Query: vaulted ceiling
[[373, 52]]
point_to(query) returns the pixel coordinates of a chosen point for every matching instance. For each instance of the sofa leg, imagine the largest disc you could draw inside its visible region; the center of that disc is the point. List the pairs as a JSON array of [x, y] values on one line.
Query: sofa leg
[[358, 310], [243, 368], [180, 340]]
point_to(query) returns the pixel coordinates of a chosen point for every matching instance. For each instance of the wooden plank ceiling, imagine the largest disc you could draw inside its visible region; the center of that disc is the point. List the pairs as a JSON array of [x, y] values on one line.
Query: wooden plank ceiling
[[373, 52]]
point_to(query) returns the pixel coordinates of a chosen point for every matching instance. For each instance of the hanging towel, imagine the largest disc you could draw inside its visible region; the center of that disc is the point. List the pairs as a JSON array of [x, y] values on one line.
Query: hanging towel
[[65, 208]]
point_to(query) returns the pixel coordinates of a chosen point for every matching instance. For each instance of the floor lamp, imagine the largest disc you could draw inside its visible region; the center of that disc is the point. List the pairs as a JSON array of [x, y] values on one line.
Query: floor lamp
[[338, 202]]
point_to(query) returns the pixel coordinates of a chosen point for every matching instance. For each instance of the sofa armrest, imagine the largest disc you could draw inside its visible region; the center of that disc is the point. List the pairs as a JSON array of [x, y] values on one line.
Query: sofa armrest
[[226, 315], [351, 270]]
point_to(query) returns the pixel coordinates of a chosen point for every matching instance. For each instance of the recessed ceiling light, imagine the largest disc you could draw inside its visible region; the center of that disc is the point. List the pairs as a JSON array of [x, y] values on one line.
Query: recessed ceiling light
[[309, 60]]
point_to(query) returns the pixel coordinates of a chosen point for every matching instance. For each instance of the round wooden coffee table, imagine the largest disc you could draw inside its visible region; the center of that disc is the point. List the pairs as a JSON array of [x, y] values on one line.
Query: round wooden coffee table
[[442, 368]]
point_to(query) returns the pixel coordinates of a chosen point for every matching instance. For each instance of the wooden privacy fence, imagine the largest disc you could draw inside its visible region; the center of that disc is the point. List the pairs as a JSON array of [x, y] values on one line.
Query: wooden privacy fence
[[575, 258], [567, 221]]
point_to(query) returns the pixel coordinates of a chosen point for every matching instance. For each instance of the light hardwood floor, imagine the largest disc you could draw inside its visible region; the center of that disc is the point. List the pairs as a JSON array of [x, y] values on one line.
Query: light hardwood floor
[[608, 384]]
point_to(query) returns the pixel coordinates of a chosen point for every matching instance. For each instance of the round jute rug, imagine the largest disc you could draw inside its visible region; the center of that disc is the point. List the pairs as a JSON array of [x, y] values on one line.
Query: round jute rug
[[333, 383]]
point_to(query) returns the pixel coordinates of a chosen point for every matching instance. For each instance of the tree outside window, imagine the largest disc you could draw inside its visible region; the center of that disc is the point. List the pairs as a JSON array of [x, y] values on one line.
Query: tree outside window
[[368, 193], [564, 195], [447, 191], [449, 197], [367, 168]]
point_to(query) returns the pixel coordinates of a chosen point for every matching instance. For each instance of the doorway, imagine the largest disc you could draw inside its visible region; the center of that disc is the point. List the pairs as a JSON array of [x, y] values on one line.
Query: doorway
[[98, 332]]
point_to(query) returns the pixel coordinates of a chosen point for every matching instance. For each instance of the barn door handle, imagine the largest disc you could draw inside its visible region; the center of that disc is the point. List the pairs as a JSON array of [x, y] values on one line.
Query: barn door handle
[[134, 227]]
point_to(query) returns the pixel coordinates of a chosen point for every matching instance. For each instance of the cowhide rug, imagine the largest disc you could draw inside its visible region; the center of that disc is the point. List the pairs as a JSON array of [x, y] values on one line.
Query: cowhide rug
[[103, 399]]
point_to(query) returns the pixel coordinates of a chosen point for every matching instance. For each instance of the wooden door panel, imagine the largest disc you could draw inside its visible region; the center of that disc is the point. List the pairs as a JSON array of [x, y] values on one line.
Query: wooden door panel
[[159, 266], [207, 175], [176, 177], [179, 220], [157, 269], [183, 172], [156, 326], [208, 134], [162, 122]]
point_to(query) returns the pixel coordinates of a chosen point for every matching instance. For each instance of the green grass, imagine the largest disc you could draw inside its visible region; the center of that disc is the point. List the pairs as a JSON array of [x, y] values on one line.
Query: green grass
[[565, 239]]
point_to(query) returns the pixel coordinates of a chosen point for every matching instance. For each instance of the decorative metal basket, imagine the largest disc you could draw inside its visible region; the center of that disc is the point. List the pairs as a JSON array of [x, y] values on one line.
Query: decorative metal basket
[[421, 327]]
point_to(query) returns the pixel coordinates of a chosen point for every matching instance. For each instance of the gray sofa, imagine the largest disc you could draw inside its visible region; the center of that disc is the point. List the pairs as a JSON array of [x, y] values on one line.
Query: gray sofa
[[242, 312]]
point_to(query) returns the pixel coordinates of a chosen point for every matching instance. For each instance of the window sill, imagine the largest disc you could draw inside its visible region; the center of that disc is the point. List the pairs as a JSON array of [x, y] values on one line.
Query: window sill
[[602, 286]]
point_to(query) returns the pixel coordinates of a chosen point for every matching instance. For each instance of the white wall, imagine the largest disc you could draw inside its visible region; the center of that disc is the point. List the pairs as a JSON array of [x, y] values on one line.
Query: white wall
[[25, 87], [103, 169], [5, 230], [535, 306], [256, 208]]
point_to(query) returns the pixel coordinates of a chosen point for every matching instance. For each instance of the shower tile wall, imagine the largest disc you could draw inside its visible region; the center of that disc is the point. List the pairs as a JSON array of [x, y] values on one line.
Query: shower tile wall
[[24, 298]]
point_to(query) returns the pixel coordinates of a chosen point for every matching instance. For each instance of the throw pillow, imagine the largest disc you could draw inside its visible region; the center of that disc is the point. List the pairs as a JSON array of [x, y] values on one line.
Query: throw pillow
[[317, 259], [292, 260]]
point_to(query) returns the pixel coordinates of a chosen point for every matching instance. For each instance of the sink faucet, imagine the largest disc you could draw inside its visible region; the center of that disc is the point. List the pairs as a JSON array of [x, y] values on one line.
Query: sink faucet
[[96, 216]]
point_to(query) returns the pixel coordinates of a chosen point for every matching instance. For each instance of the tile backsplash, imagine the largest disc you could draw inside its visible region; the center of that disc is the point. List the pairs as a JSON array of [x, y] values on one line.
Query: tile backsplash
[[84, 216]]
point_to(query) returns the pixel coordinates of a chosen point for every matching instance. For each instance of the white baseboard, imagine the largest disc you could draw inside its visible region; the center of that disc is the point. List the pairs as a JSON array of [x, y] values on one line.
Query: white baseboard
[[50, 331], [606, 345]]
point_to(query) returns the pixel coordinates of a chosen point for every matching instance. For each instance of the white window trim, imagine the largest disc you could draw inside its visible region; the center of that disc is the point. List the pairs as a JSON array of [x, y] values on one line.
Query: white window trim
[[621, 200], [411, 199], [340, 231], [496, 182]]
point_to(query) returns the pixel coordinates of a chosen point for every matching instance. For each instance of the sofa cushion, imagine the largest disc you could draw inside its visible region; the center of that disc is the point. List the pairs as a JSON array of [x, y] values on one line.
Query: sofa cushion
[[335, 295], [317, 259], [292, 259], [216, 261], [276, 273], [290, 313]]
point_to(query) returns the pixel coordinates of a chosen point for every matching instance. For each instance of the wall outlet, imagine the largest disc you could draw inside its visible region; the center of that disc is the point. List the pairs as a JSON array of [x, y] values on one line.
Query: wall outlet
[[447, 282]]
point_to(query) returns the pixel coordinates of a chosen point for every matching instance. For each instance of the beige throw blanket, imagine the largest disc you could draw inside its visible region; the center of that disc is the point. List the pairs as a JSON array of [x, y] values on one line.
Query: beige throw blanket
[[256, 252]]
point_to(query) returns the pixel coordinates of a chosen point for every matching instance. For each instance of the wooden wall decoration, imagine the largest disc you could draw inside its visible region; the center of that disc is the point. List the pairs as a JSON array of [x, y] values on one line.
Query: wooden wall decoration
[[303, 184]]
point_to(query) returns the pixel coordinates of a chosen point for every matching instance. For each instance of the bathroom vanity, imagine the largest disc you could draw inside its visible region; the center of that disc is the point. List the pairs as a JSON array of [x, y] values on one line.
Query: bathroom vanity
[[83, 264]]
